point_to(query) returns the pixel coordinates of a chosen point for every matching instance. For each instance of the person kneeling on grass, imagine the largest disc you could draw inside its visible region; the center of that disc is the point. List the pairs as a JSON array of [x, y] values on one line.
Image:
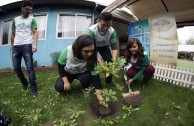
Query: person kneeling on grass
[[78, 61], [139, 60]]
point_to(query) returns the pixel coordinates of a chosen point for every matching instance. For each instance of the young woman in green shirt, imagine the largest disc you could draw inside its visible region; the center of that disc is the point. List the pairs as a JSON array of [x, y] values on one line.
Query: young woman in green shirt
[[139, 59], [78, 61]]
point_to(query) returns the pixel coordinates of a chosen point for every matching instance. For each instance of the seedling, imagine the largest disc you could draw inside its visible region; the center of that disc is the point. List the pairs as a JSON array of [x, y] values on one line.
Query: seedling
[[111, 68]]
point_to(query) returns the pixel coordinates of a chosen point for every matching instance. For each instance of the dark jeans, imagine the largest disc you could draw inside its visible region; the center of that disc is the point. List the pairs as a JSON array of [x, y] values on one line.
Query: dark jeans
[[84, 78], [105, 52], [148, 72], [24, 51]]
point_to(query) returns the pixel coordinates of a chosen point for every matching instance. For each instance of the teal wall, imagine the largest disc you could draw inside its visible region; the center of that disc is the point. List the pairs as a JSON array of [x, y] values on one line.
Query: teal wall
[[45, 47]]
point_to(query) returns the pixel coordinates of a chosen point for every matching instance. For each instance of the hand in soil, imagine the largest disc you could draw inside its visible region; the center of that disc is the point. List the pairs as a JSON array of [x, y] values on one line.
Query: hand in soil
[[103, 110], [102, 102]]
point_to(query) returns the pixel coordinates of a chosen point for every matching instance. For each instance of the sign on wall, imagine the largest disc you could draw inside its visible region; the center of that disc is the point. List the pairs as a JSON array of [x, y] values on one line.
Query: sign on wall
[[140, 30], [163, 39]]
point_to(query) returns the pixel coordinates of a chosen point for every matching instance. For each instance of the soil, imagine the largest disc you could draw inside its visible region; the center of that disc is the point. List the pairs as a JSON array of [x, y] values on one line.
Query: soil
[[134, 100], [114, 107]]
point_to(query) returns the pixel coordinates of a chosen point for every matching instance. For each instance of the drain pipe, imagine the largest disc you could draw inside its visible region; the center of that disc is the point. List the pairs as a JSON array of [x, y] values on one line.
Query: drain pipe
[[93, 13]]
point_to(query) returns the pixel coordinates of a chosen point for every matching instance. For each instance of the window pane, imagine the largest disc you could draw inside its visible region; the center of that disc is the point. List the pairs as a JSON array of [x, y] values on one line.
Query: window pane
[[41, 22], [66, 26], [83, 22], [6, 32]]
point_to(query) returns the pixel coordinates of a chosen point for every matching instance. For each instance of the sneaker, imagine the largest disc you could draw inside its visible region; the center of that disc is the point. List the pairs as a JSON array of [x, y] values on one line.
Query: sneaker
[[25, 88], [85, 93], [34, 93]]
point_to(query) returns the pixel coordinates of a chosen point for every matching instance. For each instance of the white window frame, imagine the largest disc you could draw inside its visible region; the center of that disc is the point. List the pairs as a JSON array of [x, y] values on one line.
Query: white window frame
[[42, 14], [9, 34], [72, 14]]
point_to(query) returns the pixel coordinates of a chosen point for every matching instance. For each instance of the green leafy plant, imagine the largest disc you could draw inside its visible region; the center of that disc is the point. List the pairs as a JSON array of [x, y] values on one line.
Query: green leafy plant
[[107, 122], [72, 120], [89, 89], [128, 110], [108, 95], [173, 108], [55, 56], [111, 68], [35, 63]]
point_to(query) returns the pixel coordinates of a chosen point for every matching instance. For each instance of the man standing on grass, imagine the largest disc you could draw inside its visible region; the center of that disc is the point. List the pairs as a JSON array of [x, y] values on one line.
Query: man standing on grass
[[105, 37], [24, 31]]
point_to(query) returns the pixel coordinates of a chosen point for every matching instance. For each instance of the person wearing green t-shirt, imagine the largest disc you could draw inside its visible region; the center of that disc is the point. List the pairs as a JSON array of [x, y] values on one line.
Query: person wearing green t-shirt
[[105, 37], [78, 61], [24, 31], [140, 63]]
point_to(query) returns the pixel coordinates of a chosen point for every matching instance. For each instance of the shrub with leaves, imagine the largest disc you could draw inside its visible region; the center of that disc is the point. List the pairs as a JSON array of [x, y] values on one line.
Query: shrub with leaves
[[108, 95], [55, 57], [111, 68]]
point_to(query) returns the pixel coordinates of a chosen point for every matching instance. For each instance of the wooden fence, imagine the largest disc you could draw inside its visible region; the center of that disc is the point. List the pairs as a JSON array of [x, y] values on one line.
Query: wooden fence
[[175, 75]]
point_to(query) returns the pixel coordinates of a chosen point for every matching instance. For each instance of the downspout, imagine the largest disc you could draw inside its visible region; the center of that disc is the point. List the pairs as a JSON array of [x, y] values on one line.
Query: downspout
[[93, 13]]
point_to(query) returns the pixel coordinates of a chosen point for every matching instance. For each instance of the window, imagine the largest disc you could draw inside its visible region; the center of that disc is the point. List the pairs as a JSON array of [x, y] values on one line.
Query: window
[[72, 25], [41, 22], [6, 32]]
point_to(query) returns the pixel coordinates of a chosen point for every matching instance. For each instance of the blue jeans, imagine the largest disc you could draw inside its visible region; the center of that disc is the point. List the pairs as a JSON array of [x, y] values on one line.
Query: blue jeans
[[24, 51]]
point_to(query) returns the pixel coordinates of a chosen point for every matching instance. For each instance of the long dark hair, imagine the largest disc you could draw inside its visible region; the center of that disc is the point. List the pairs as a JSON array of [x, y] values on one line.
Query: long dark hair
[[140, 53], [81, 42]]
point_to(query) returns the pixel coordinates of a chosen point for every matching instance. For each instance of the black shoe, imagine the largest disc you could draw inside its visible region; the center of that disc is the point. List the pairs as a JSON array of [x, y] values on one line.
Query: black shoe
[[112, 84], [25, 88], [34, 93]]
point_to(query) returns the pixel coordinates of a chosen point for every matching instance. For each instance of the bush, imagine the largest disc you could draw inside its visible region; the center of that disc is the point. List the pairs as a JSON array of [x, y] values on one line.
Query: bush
[[55, 56]]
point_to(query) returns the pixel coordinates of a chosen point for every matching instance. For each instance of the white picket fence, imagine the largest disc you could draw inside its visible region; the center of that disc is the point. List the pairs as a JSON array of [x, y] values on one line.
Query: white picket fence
[[175, 75]]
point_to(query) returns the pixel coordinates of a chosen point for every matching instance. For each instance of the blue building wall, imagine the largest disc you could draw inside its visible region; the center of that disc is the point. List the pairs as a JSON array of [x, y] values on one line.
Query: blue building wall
[[45, 47]]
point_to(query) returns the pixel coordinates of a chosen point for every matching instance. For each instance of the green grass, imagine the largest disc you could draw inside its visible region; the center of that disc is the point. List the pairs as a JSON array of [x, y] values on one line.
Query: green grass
[[185, 64], [163, 104]]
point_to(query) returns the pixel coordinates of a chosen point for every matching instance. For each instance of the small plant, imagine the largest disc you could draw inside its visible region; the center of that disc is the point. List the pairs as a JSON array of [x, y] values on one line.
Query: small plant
[[172, 109], [35, 63], [128, 111], [107, 122], [108, 95], [89, 89], [72, 120], [55, 57], [111, 68]]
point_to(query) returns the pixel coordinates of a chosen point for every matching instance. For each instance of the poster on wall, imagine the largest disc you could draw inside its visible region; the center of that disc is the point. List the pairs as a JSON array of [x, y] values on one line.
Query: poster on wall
[[140, 30], [163, 39]]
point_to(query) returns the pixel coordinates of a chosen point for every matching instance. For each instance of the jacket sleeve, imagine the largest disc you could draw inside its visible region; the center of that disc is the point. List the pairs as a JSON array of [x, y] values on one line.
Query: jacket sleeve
[[142, 68], [62, 62], [63, 57]]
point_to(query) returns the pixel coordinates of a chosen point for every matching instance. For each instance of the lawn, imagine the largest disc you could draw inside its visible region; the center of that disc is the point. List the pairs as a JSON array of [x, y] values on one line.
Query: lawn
[[185, 64], [163, 104]]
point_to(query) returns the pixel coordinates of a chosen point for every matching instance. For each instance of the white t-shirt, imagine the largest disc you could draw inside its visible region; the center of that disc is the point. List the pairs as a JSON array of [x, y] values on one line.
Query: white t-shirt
[[23, 29]]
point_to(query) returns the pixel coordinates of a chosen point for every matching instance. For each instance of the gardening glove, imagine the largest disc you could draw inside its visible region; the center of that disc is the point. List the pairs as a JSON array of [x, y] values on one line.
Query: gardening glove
[[102, 102], [99, 97], [127, 66], [129, 81]]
